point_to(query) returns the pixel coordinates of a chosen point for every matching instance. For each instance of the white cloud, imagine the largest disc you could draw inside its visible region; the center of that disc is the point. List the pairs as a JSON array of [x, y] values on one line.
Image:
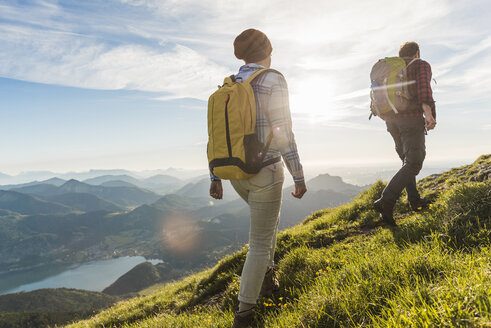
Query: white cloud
[[462, 56], [466, 83], [58, 58], [184, 48], [181, 71]]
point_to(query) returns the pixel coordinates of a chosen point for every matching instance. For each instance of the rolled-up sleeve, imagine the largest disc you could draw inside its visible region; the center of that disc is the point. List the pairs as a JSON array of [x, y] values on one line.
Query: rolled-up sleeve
[[425, 94]]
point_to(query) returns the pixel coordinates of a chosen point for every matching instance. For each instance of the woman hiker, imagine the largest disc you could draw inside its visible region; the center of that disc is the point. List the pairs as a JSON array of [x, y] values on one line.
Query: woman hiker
[[263, 191]]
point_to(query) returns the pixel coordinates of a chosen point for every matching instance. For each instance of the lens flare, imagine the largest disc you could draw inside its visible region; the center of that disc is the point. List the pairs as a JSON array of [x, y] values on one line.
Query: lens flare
[[181, 235]]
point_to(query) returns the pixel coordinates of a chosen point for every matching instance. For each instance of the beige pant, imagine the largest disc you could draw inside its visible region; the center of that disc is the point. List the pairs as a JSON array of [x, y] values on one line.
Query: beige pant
[[263, 194]]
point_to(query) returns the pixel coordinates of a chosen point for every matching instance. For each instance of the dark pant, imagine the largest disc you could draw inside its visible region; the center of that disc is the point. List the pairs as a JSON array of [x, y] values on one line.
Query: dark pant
[[409, 137]]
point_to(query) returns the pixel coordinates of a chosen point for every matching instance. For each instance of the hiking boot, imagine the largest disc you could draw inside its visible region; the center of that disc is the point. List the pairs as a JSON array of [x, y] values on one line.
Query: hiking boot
[[270, 283], [420, 205], [245, 321], [386, 211]]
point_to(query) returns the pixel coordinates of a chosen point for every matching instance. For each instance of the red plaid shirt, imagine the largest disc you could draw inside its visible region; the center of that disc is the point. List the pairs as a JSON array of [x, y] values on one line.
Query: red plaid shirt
[[420, 92]]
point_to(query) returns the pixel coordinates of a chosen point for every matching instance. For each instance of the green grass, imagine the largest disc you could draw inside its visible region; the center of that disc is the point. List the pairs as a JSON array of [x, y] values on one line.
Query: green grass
[[343, 268]]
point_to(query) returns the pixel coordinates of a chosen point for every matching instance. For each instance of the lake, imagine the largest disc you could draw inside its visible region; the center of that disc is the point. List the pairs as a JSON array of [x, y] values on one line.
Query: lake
[[94, 276]]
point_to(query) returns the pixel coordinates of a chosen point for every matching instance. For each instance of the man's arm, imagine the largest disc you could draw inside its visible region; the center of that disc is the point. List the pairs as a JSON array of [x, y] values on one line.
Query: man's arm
[[425, 94]]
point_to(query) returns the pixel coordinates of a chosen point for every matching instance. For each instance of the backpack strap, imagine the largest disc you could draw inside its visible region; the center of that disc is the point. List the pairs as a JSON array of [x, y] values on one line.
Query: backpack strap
[[412, 61], [270, 135], [386, 94], [229, 80], [259, 72]]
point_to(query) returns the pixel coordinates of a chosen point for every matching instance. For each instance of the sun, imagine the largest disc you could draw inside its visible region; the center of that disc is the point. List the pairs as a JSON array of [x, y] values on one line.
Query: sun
[[313, 97]]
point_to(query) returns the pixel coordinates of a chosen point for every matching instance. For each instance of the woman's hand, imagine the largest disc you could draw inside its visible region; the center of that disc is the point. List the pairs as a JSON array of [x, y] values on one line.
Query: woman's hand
[[300, 190], [216, 189]]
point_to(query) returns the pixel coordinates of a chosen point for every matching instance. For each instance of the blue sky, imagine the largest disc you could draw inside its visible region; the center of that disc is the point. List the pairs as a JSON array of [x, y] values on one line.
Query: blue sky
[[123, 84]]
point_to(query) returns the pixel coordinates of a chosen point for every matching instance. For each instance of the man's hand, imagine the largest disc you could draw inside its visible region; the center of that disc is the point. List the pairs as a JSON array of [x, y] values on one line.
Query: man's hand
[[430, 121], [300, 190], [216, 189]]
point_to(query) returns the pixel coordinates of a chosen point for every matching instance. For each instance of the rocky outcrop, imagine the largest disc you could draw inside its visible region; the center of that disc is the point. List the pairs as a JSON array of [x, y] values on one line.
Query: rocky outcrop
[[479, 171]]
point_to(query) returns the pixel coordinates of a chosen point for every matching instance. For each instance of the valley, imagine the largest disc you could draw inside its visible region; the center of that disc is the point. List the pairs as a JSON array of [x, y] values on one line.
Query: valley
[[60, 223]]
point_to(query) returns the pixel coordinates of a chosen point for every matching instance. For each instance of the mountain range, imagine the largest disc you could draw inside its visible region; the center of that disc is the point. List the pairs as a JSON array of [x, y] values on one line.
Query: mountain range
[[57, 221], [26, 177]]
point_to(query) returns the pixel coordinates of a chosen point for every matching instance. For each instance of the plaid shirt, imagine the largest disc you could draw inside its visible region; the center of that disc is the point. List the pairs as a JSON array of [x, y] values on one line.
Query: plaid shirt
[[420, 92], [273, 111]]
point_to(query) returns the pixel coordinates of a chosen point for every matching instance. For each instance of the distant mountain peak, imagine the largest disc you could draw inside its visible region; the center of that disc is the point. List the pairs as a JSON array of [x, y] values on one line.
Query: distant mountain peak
[[326, 181], [73, 185], [72, 182], [54, 181]]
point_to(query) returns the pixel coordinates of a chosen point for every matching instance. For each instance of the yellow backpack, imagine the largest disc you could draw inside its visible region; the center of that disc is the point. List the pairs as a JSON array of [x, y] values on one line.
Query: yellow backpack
[[234, 151]]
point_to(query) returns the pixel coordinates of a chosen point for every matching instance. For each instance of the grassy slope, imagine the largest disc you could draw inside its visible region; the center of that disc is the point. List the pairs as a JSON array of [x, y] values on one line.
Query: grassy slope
[[343, 268]]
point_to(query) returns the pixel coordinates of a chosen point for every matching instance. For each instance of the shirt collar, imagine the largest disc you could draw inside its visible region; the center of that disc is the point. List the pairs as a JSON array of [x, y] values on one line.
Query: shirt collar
[[251, 66], [247, 70]]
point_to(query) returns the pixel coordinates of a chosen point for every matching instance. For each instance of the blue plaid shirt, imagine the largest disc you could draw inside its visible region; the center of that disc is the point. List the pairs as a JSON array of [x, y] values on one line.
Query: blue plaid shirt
[[271, 93]]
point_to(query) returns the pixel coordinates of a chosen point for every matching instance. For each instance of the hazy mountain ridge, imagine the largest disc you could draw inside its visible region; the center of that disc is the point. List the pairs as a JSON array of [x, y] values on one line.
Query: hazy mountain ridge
[[162, 184], [220, 225], [53, 181], [117, 183], [106, 178], [27, 177], [26, 204], [125, 196], [122, 196], [38, 189], [201, 188], [323, 191], [176, 201], [44, 175], [333, 183]]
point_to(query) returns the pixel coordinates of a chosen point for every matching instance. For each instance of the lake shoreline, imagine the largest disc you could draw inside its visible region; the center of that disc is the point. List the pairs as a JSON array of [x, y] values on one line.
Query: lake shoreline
[[65, 275]]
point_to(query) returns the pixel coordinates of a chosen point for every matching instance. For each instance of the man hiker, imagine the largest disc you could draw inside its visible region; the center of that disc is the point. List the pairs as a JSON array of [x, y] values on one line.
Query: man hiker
[[263, 191], [408, 129]]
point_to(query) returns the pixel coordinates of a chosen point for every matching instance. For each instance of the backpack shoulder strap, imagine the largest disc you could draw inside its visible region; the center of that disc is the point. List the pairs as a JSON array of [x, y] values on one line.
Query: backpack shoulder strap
[[249, 80], [229, 80], [412, 61], [259, 72]]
